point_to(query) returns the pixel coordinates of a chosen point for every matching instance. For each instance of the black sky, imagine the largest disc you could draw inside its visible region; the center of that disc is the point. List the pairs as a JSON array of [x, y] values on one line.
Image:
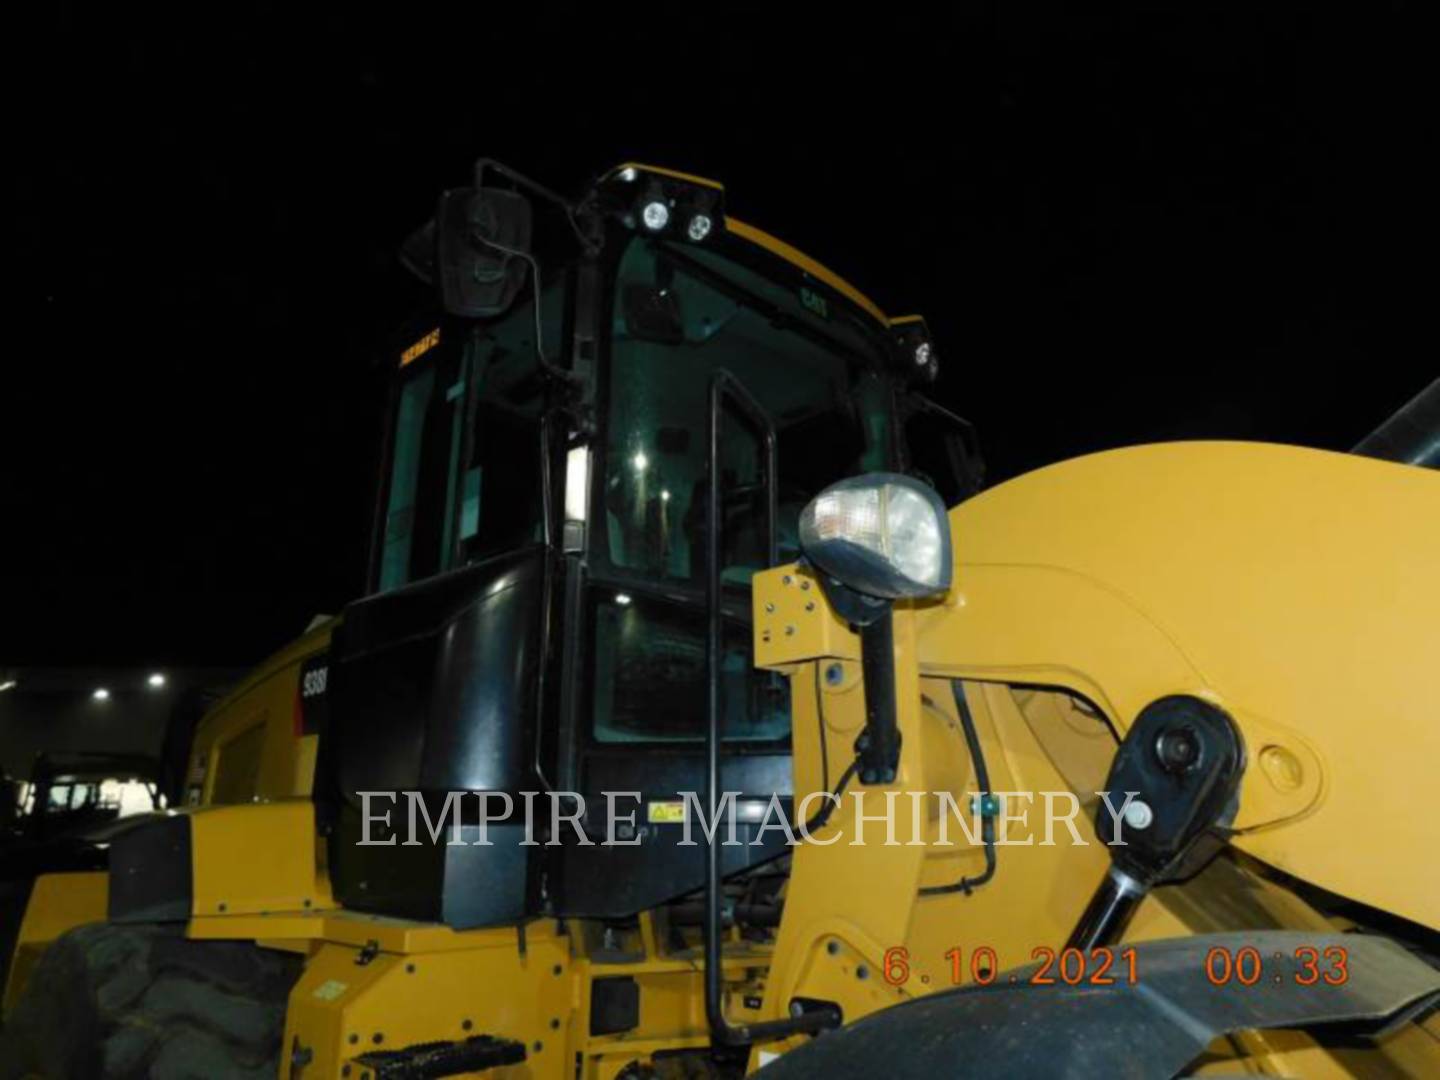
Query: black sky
[[1147, 223]]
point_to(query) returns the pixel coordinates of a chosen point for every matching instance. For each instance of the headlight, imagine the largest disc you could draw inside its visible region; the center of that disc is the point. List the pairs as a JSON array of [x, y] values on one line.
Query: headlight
[[882, 534]]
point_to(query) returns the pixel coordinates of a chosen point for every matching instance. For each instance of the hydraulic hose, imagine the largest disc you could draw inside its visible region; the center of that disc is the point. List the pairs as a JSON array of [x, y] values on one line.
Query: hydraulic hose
[[982, 781]]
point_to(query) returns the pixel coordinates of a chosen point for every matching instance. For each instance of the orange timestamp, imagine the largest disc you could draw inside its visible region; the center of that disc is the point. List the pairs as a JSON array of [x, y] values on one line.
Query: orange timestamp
[[1245, 966], [1065, 967]]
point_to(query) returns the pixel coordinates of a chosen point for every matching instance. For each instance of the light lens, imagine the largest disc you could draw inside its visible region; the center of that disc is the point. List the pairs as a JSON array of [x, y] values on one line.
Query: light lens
[[913, 535], [884, 535], [101, 694], [656, 215], [699, 227], [8, 684], [156, 680], [852, 515], [623, 599], [922, 354]]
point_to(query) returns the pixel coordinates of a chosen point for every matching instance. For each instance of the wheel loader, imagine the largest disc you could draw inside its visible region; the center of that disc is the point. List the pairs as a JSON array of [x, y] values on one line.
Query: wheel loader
[[683, 731]]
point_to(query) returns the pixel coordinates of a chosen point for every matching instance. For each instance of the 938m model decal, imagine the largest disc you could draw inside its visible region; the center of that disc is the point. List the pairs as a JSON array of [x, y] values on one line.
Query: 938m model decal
[[312, 698]]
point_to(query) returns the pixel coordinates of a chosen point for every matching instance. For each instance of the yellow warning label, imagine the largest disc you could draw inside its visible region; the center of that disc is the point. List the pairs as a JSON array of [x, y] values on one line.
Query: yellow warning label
[[331, 989], [665, 813]]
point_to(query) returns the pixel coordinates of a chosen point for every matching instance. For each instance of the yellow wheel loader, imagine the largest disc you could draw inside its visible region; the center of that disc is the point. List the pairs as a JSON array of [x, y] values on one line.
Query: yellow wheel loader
[[682, 731]]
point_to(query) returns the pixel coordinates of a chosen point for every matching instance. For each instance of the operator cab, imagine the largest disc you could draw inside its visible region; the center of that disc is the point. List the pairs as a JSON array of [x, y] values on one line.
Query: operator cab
[[538, 610]]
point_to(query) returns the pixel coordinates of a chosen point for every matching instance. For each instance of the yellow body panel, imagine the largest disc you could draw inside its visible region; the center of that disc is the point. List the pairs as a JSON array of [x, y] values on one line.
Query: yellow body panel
[[341, 1008], [258, 876], [794, 623], [247, 746], [1297, 588], [58, 902], [413, 982], [256, 858]]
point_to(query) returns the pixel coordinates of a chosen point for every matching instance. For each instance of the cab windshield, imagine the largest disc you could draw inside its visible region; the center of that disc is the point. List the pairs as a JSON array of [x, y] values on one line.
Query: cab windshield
[[680, 315]]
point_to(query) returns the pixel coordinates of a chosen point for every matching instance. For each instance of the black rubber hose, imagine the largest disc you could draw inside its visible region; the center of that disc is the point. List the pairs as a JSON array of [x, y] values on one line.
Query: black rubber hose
[[982, 781], [823, 814]]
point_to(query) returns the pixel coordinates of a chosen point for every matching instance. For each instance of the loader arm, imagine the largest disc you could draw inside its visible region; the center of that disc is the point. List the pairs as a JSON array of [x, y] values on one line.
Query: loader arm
[[1295, 588]]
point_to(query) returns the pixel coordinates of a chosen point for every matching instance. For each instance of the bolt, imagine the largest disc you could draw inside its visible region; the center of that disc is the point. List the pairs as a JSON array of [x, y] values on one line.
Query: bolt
[[1138, 815], [1178, 750], [377, 1038], [409, 969], [834, 674], [354, 1039], [789, 631], [769, 607], [805, 584], [538, 1046], [785, 580], [466, 1025], [554, 1025], [556, 970], [862, 972], [810, 605], [832, 947]]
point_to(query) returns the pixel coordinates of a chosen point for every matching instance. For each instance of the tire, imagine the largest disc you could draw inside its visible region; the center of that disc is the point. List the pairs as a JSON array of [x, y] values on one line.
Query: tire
[[144, 1003]]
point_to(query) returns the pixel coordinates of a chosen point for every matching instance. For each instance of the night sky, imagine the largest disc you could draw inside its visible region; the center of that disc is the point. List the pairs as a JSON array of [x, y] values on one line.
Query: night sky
[[1149, 224]]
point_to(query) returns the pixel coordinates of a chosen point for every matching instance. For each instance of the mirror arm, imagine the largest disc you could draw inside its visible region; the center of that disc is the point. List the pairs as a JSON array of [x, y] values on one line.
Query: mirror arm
[[519, 178], [589, 242], [878, 746], [921, 403]]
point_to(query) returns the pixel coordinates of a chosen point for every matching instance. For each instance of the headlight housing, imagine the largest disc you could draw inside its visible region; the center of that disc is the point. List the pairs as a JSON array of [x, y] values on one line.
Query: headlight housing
[[882, 534]]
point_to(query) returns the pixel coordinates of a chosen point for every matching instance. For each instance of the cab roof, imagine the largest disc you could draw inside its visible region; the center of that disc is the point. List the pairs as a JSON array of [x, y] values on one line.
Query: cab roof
[[776, 246]]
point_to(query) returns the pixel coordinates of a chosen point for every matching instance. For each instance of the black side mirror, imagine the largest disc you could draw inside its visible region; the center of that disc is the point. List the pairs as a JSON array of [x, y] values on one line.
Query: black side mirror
[[942, 449], [482, 241]]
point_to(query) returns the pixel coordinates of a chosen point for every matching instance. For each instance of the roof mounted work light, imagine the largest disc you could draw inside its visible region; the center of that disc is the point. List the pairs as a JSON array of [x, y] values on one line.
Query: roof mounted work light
[[915, 358], [665, 203]]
